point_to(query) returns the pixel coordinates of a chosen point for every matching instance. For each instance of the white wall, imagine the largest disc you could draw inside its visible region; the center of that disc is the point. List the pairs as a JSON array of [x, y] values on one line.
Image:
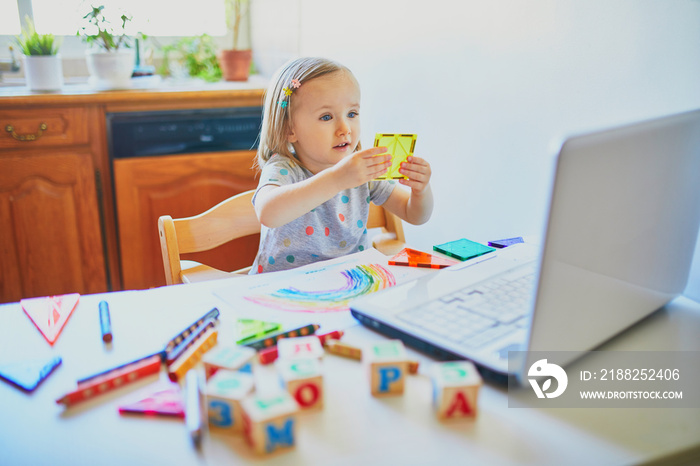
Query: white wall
[[490, 86]]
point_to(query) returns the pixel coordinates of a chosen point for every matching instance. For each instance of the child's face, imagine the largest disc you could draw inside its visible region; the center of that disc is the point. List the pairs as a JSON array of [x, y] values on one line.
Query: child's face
[[325, 124]]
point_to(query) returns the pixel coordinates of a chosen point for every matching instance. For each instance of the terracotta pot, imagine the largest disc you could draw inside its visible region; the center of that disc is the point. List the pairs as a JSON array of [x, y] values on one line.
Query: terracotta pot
[[235, 64]]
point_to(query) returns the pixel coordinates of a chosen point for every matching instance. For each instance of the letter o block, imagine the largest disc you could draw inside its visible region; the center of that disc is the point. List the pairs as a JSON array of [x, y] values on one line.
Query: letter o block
[[388, 365], [224, 392], [303, 379], [269, 421], [455, 389]]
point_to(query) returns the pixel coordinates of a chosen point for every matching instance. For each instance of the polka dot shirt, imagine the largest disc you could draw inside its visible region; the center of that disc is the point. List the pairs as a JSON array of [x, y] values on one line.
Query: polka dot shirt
[[335, 228]]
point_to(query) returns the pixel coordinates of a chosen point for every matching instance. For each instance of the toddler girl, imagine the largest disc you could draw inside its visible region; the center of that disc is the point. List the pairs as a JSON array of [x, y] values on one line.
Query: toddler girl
[[316, 182]]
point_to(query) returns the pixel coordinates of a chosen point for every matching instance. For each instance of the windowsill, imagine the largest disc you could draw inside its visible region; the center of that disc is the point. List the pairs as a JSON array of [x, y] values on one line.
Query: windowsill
[[81, 84]]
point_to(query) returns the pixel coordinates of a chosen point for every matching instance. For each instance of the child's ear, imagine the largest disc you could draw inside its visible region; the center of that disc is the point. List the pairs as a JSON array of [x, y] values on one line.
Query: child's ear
[[291, 136]]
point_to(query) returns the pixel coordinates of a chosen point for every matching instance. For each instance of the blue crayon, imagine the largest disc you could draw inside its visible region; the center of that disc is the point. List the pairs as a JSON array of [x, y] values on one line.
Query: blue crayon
[[105, 323]]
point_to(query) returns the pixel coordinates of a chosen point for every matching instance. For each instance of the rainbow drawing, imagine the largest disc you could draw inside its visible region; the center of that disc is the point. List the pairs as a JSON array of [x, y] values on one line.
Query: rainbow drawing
[[358, 281]]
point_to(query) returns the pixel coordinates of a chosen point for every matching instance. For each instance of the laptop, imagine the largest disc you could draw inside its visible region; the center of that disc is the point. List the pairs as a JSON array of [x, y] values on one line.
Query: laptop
[[622, 226]]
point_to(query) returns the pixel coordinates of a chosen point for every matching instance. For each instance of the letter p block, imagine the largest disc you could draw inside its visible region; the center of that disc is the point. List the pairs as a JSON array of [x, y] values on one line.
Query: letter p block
[[388, 365]]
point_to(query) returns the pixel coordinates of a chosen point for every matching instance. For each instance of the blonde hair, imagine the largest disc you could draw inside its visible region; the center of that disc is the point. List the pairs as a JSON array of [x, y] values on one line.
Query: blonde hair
[[277, 119]]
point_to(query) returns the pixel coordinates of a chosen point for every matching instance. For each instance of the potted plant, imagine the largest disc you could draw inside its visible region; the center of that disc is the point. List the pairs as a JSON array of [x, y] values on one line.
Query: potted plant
[[42, 63], [197, 55], [110, 59], [235, 62]]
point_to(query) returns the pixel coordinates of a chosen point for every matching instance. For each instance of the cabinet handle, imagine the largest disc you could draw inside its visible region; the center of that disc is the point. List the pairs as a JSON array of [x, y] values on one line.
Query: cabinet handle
[[27, 137]]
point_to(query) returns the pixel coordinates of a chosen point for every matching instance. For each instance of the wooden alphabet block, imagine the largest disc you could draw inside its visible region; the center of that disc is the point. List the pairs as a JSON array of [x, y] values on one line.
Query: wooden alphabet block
[[300, 347], [303, 379], [269, 421], [388, 365], [229, 357], [224, 393], [455, 389]]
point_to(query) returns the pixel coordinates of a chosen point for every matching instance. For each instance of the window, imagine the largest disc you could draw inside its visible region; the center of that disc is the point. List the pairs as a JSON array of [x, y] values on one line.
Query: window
[[152, 17], [9, 20], [160, 19]]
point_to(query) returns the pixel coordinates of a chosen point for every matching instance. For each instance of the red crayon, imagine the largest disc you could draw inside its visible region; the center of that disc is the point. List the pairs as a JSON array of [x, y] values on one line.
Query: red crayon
[[112, 380], [269, 355], [113, 369]]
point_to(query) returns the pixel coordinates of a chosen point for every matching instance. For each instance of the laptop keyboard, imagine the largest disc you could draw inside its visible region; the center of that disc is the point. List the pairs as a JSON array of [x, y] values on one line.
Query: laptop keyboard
[[478, 314]]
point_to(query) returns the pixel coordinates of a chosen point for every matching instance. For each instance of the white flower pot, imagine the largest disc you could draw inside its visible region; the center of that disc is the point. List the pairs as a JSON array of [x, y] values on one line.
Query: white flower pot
[[43, 72], [111, 70]]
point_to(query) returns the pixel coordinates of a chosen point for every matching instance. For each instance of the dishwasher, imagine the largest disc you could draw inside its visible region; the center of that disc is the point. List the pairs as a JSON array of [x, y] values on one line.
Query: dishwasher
[[178, 163]]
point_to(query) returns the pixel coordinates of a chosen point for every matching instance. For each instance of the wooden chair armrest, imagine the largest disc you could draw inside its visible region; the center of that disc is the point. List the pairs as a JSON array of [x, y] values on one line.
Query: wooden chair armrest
[[201, 273], [193, 272], [387, 244]]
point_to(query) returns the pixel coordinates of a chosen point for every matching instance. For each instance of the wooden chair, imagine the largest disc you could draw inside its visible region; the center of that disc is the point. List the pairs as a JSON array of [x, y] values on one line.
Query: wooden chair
[[235, 218]]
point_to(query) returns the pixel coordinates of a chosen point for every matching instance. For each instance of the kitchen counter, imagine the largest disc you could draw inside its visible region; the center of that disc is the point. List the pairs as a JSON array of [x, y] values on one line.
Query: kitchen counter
[[145, 92]]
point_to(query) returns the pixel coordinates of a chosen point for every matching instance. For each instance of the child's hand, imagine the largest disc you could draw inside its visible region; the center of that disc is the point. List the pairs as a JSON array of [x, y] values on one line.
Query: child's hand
[[418, 172], [363, 166]]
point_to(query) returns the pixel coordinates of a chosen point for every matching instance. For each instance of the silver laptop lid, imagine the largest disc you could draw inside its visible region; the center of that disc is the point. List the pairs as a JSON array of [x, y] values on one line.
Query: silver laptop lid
[[622, 227]]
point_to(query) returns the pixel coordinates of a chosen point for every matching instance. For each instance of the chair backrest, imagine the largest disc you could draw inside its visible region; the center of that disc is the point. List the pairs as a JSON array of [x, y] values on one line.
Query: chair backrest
[[235, 218]]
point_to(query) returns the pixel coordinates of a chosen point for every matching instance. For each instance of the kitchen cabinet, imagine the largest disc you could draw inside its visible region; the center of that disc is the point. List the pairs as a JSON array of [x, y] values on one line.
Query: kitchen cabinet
[[179, 186], [50, 235], [75, 219]]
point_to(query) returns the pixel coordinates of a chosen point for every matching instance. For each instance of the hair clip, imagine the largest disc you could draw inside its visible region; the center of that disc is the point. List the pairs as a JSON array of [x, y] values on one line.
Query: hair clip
[[287, 91]]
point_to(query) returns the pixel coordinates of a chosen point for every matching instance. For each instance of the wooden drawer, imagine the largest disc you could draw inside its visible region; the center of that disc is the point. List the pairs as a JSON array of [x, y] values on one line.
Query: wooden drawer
[[63, 126]]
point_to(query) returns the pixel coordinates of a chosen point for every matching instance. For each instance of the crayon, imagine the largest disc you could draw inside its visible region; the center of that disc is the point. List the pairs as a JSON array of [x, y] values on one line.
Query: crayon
[[100, 374], [269, 355], [262, 328], [112, 380], [343, 349], [173, 342], [334, 335], [193, 407], [173, 354], [268, 341], [105, 323], [192, 355]]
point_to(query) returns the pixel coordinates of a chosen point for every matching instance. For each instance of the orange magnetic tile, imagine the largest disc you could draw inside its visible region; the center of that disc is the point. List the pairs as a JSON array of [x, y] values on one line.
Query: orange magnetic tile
[[414, 258]]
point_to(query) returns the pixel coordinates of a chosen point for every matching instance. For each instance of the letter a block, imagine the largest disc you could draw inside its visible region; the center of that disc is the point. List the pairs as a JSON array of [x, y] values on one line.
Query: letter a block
[[269, 421], [455, 389], [303, 379], [300, 347], [232, 358], [224, 393], [388, 366]]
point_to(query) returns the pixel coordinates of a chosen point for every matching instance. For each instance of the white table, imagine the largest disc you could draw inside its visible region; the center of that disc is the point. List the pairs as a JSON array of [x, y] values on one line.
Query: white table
[[353, 429]]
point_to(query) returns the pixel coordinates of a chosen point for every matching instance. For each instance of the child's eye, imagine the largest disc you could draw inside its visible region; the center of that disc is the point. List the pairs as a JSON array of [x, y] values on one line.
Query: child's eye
[[353, 114], [326, 118]]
